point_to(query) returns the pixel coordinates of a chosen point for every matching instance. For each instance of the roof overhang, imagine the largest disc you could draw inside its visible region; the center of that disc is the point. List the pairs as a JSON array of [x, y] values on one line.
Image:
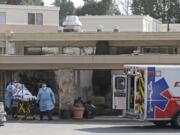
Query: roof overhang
[[94, 36]]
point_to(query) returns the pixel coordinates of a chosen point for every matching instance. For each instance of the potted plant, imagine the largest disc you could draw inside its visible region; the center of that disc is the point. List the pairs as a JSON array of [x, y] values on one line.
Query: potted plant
[[78, 108]]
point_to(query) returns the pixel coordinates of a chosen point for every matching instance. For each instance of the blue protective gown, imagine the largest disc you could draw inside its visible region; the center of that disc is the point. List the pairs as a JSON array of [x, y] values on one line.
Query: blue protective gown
[[9, 95], [46, 99]]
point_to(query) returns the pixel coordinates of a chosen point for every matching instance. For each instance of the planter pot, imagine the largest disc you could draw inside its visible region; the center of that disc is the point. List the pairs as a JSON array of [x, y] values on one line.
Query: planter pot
[[78, 112]]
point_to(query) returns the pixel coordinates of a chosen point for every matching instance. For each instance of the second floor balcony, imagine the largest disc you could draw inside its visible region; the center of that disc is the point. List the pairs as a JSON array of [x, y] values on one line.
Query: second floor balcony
[[88, 50]]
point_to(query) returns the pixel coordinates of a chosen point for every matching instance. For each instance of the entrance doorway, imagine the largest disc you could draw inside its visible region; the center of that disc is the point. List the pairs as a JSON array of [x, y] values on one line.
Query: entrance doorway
[[32, 79]]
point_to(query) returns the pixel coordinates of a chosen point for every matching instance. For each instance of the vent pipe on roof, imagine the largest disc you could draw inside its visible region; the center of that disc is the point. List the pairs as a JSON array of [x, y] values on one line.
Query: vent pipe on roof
[[116, 28], [72, 24], [100, 28]]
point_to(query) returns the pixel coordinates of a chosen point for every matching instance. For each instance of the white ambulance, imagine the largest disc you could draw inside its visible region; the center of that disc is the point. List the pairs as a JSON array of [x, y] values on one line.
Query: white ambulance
[[149, 92]]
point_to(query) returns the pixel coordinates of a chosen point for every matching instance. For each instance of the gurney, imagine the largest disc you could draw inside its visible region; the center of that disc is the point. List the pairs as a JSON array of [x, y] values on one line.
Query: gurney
[[25, 101]]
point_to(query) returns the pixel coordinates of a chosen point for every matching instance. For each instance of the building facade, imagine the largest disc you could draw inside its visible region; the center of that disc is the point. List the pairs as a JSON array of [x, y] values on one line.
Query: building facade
[[30, 41], [72, 57], [28, 19], [132, 23]]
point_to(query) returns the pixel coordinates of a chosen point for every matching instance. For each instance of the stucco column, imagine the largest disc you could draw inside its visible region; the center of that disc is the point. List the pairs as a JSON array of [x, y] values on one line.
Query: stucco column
[[68, 87]]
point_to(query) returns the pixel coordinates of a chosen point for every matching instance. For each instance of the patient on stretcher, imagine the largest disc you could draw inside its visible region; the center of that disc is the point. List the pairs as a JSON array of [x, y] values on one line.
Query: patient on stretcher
[[22, 93]]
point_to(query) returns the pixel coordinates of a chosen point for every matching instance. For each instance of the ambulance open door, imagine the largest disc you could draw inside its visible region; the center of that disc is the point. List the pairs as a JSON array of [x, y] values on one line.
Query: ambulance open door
[[119, 91]]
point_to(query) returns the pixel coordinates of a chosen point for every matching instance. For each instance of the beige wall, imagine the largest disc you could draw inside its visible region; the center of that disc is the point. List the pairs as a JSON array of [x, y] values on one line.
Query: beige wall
[[51, 18], [91, 23], [96, 36], [28, 29], [172, 27], [18, 16], [126, 23], [85, 62], [150, 24]]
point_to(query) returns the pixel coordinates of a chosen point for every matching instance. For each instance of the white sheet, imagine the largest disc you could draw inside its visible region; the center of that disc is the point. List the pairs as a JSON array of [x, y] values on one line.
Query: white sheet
[[22, 93]]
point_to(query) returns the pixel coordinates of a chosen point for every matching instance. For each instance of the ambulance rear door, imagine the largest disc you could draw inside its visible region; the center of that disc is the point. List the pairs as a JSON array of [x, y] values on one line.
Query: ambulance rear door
[[119, 92]]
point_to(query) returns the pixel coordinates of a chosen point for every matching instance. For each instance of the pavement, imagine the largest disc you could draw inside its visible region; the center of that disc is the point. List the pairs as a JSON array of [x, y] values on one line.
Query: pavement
[[110, 118], [96, 118], [101, 125]]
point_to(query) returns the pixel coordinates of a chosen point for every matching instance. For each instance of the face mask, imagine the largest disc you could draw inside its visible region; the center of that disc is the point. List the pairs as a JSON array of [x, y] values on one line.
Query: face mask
[[15, 84], [44, 88]]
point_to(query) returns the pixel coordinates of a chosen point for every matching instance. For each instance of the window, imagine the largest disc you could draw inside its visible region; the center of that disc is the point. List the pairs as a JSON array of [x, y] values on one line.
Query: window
[[1, 50], [159, 50], [2, 18], [31, 18], [120, 83], [41, 50], [39, 19], [35, 18], [126, 49], [33, 51]]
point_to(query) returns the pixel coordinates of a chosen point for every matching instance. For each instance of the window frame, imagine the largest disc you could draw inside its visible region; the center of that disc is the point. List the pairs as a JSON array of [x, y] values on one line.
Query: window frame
[[35, 20], [117, 85], [5, 17]]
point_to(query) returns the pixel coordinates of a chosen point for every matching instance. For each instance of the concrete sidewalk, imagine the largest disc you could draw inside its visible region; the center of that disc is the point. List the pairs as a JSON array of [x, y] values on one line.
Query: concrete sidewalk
[[83, 127], [96, 118]]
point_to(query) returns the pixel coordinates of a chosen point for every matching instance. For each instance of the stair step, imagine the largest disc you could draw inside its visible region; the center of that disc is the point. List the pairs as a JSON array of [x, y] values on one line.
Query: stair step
[[132, 115]]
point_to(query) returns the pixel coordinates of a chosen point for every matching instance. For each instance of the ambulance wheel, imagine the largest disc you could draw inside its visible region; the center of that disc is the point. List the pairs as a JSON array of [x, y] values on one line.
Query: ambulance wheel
[[161, 123], [176, 120]]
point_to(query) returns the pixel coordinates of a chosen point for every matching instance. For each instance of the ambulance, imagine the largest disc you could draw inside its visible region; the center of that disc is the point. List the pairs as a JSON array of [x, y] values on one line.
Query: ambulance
[[149, 93]]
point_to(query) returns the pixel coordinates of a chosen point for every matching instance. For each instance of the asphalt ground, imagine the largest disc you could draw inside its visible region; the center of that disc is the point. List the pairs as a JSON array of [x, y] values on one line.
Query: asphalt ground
[[99, 125]]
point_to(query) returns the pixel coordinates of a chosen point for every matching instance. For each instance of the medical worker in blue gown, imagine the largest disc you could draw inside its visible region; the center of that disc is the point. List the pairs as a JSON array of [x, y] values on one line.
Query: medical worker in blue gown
[[46, 101], [11, 106], [9, 94]]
